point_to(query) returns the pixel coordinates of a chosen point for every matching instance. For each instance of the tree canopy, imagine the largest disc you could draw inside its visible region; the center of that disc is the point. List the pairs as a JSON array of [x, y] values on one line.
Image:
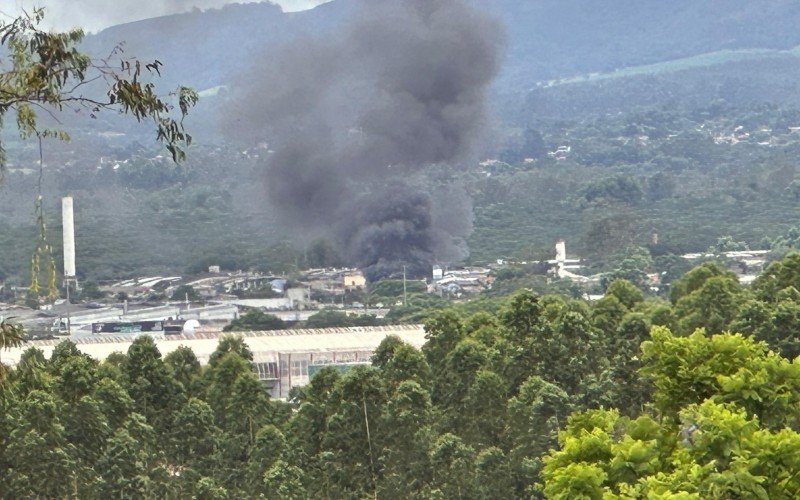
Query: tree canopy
[[536, 396]]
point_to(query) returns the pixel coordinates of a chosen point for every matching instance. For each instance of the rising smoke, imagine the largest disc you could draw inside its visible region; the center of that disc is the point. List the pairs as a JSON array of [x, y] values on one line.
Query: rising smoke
[[352, 116]]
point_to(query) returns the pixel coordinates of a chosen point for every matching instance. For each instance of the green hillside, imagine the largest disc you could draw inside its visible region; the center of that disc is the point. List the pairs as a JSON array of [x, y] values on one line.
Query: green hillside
[[682, 79]]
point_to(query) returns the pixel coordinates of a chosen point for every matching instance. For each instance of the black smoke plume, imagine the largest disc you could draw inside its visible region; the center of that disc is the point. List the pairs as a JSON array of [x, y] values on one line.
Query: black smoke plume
[[351, 117]]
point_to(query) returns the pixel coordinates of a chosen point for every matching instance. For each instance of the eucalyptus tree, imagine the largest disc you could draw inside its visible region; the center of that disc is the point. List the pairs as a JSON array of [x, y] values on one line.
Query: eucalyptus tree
[[11, 336], [44, 74]]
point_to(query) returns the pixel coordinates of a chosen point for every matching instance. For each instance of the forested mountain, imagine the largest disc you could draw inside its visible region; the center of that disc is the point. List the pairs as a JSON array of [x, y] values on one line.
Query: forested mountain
[[218, 44], [547, 39], [554, 39], [647, 90], [563, 59]]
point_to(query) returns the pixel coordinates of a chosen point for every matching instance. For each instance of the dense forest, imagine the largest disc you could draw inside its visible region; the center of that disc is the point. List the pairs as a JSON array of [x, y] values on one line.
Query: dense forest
[[529, 395], [690, 176]]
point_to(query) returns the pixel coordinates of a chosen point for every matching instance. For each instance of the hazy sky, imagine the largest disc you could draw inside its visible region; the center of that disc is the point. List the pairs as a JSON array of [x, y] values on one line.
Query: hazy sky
[[94, 15]]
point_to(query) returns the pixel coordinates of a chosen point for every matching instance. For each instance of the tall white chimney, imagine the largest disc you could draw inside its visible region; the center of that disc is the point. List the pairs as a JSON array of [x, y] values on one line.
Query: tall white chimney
[[68, 228], [561, 251]]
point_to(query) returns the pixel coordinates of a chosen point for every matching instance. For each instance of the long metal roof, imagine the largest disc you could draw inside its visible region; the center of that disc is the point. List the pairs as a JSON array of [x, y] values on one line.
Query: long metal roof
[[266, 345]]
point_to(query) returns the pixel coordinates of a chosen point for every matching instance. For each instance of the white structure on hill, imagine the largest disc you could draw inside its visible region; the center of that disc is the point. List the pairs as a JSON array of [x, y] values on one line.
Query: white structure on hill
[[564, 267]]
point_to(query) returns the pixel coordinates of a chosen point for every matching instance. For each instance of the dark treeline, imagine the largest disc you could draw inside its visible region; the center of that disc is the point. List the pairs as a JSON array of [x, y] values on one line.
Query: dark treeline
[[542, 396]]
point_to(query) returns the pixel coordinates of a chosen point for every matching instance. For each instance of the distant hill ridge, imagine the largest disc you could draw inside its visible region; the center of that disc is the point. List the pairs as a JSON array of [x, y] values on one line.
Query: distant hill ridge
[[547, 39], [205, 49]]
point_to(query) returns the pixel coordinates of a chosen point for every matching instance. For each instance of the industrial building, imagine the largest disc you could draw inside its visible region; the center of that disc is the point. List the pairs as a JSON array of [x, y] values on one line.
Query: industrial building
[[282, 359], [82, 319], [455, 282]]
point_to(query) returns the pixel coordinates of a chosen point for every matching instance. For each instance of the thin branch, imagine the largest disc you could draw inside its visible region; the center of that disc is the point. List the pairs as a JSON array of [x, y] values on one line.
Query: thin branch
[[41, 167], [48, 111], [83, 82]]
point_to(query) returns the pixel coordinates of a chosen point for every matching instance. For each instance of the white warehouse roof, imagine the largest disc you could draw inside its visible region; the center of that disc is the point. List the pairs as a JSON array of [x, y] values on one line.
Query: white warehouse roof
[[265, 345]]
